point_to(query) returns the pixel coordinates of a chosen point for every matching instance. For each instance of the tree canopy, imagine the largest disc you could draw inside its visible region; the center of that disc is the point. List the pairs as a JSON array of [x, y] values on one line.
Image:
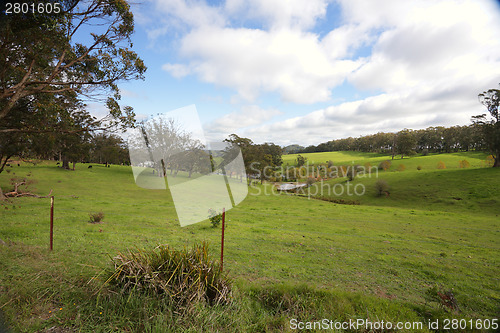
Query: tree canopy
[[51, 64], [491, 127]]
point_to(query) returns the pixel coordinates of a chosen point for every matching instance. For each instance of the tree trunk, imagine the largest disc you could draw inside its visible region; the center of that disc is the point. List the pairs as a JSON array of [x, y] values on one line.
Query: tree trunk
[[65, 164], [2, 196], [497, 160], [74, 163]]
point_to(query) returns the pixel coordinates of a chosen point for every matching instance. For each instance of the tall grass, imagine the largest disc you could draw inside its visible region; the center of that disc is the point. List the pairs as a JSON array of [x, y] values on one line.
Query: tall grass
[[183, 276]]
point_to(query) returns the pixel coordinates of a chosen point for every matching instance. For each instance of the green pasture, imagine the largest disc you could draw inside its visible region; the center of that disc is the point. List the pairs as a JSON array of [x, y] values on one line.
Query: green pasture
[[291, 256]]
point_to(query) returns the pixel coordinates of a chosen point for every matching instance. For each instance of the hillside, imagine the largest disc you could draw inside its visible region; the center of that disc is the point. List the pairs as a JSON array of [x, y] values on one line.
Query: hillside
[[290, 256]]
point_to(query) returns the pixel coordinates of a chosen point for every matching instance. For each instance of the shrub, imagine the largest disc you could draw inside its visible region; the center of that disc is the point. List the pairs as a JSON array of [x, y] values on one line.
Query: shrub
[[381, 187], [310, 181], [490, 160], [330, 163], [441, 165], [464, 164], [214, 217], [385, 165], [184, 276], [401, 167], [425, 152], [419, 167], [96, 217]]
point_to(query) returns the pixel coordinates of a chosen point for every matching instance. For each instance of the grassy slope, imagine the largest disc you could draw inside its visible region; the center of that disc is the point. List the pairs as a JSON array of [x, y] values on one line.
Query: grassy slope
[[390, 250]]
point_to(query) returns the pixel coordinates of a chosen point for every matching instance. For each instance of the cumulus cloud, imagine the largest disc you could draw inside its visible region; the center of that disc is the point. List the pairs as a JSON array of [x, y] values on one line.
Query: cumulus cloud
[[247, 116], [424, 61]]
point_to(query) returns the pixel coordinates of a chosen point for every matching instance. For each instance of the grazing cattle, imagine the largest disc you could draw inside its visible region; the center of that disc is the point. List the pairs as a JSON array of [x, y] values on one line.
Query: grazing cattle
[[90, 167]]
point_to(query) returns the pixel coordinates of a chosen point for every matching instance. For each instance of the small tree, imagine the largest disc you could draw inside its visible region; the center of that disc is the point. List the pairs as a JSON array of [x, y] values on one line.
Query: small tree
[[215, 217], [385, 165], [301, 160], [464, 164], [490, 128], [381, 187]]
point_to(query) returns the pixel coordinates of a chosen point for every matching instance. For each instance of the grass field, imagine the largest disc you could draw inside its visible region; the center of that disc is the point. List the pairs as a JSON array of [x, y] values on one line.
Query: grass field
[[290, 256]]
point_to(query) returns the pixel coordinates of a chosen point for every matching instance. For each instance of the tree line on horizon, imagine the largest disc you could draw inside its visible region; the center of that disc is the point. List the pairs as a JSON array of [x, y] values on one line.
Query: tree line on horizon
[[438, 139]]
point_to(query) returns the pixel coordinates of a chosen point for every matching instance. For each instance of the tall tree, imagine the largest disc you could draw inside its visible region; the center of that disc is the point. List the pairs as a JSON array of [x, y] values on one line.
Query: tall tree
[[41, 57], [491, 126], [405, 142]]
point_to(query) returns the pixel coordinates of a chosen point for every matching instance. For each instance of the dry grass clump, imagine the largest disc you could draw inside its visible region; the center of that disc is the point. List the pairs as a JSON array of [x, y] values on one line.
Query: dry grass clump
[[185, 276], [96, 217]]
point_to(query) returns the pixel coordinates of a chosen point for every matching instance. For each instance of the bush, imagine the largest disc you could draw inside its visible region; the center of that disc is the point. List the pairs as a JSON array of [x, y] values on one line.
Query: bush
[[464, 164], [401, 167], [419, 167], [425, 152], [214, 217], [330, 163], [441, 165], [490, 160], [185, 276], [351, 172], [96, 217], [310, 181], [385, 165], [381, 187]]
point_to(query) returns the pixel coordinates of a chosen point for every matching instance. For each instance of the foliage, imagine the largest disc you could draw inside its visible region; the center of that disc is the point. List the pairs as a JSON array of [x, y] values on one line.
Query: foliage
[[382, 187], [445, 298], [463, 164], [441, 165], [96, 217], [384, 165], [40, 55], [47, 73], [310, 181], [490, 160], [214, 217], [301, 160], [184, 276], [351, 172], [259, 159], [405, 142], [425, 152], [490, 129], [401, 167]]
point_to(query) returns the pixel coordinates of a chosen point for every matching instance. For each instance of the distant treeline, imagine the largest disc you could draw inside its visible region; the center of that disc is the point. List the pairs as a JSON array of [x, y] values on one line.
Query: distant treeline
[[405, 142]]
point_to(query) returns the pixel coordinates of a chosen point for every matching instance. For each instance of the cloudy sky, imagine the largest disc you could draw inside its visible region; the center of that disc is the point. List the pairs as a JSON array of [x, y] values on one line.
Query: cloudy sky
[[308, 71]]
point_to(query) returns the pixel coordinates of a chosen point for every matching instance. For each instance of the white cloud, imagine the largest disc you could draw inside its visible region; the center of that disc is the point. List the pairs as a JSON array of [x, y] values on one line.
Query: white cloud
[[247, 116], [279, 14], [426, 60], [177, 70], [292, 63]]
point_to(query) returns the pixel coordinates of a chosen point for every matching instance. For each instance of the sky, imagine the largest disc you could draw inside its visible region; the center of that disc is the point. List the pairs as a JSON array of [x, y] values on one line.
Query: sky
[[309, 71]]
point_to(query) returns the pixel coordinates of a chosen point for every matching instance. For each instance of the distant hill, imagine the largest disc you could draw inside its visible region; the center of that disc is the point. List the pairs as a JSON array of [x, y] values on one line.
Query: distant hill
[[292, 149]]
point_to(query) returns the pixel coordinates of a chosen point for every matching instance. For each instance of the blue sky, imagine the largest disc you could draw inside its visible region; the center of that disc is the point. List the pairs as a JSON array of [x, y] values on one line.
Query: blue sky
[[310, 71]]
